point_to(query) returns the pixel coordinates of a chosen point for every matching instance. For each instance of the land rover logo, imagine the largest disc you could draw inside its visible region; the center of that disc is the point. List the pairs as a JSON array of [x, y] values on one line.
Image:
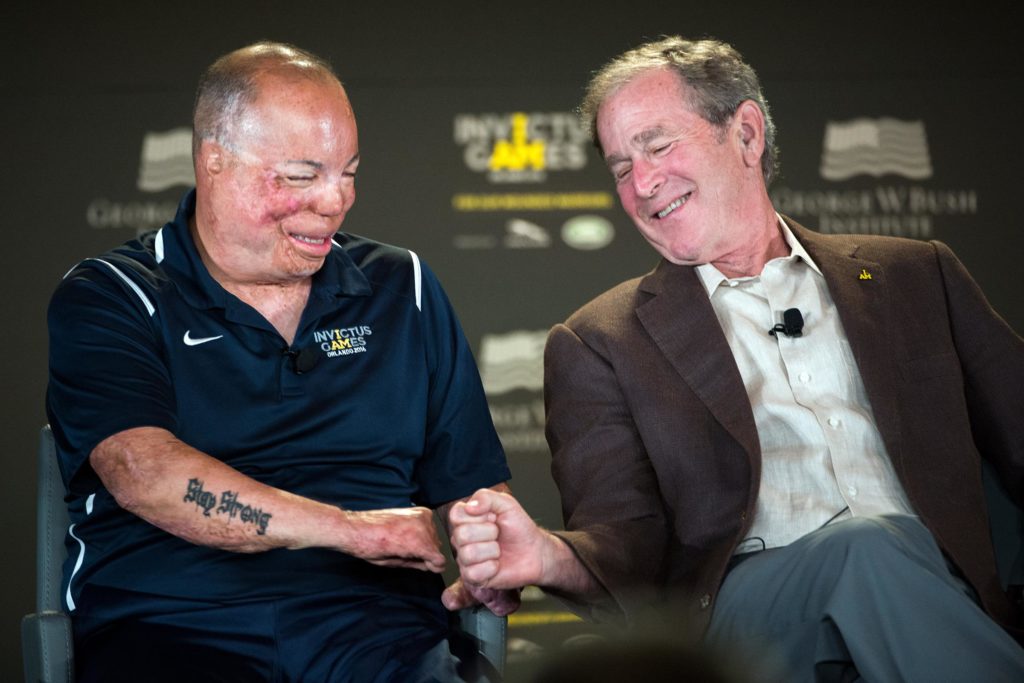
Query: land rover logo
[[588, 232]]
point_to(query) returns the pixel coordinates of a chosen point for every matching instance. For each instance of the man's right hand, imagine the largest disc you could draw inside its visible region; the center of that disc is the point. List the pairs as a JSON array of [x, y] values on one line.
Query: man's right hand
[[400, 537], [497, 544], [499, 547]]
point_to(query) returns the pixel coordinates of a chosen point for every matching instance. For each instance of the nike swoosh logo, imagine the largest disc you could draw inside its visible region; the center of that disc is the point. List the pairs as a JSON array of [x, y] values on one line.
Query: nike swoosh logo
[[190, 341]]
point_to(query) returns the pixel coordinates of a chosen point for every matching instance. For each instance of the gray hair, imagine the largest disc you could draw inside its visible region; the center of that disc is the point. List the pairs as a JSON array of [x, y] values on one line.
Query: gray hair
[[716, 81], [231, 84]]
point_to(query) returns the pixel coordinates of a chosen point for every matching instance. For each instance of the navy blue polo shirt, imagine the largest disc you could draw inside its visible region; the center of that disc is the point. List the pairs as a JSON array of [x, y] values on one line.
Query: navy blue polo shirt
[[376, 404]]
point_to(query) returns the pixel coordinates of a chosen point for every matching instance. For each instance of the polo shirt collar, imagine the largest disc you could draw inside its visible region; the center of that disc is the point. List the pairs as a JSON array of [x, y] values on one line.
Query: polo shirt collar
[[177, 255], [711, 277]]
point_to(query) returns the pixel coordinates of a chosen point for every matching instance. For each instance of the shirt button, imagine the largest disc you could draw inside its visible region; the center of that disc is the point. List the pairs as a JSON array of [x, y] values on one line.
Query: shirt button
[[805, 377], [852, 490], [833, 422], [705, 601]]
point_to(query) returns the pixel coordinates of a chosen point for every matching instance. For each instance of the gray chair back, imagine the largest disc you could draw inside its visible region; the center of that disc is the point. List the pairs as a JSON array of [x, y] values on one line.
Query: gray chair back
[[46, 637]]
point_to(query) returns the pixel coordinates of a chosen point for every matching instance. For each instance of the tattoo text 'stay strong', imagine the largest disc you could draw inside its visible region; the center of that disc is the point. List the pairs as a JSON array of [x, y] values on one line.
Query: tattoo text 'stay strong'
[[229, 506]]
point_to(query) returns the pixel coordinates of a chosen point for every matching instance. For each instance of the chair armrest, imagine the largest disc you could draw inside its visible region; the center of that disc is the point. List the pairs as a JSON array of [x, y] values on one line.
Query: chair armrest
[[488, 630], [46, 647]]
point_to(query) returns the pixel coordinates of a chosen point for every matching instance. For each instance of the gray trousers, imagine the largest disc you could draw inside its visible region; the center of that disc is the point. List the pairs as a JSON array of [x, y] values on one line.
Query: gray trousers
[[865, 599]]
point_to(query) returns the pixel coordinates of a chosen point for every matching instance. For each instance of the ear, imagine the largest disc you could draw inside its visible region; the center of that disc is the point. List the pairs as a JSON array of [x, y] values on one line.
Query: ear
[[212, 158], [748, 126]]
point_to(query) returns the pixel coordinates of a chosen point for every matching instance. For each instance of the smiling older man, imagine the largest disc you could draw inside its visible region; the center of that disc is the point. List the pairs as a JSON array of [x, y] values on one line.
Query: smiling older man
[[774, 439]]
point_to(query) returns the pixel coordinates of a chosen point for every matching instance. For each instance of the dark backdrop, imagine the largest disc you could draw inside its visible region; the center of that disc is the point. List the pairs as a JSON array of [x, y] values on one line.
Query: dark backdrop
[[437, 88]]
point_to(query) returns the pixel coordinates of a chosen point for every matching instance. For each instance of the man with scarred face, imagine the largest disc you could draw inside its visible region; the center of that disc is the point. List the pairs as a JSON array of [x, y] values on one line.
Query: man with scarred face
[[256, 415]]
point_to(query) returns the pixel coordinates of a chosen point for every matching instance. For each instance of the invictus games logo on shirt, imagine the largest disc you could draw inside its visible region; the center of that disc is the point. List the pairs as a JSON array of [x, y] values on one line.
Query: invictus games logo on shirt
[[521, 147], [343, 341]]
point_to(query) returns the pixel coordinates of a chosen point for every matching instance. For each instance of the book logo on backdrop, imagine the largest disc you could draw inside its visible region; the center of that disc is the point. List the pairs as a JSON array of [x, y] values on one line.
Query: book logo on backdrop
[[898, 202], [519, 156], [165, 163], [512, 372]]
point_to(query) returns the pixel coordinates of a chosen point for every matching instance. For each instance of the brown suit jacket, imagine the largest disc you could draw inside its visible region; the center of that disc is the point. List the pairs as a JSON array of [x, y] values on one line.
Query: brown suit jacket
[[654, 446]]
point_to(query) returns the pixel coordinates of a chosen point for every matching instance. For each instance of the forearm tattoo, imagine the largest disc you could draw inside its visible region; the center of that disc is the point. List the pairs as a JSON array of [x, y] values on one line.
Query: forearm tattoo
[[229, 505]]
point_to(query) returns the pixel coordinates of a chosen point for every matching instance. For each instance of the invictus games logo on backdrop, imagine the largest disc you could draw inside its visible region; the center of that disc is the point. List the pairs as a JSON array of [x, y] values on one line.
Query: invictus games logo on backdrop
[[530, 161], [521, 147], [886, 149], [165, 162]]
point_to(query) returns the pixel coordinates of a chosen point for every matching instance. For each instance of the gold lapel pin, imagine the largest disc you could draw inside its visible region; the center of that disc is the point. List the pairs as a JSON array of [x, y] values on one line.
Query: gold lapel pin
[[864, 275]]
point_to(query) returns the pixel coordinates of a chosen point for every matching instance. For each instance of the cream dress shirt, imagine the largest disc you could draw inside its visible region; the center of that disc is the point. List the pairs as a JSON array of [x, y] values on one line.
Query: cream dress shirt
[[822, 455]]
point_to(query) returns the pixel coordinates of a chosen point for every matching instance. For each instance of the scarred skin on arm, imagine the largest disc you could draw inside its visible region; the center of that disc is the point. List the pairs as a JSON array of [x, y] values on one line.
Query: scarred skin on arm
[[204, 501]]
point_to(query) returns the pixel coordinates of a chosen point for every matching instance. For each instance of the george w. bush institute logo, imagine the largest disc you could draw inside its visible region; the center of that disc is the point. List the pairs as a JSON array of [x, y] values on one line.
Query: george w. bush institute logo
[[166, 160], [875, 147]]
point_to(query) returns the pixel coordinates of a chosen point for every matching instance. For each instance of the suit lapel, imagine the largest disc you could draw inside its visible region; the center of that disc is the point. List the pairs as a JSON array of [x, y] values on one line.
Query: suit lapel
[[682, 323], [861, 295]]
